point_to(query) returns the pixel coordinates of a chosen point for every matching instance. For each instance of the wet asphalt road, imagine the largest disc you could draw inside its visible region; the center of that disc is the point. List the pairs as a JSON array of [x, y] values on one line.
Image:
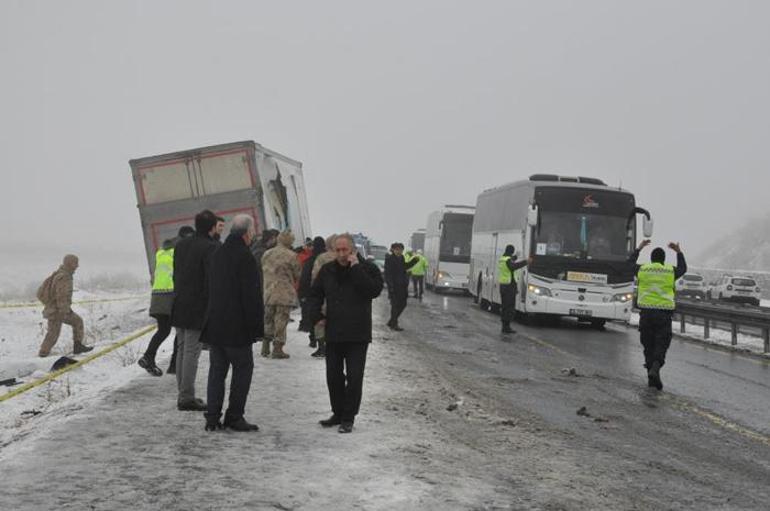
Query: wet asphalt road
[[707, 433]]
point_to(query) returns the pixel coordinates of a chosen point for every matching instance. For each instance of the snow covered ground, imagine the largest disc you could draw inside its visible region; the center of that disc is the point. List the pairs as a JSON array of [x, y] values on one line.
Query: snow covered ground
[[108, 316], [716, 336], [151, 456]]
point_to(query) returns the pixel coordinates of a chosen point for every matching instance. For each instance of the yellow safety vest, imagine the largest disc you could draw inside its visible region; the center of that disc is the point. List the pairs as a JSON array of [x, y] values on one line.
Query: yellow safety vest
[[164, 271], [504, 274], [656, 287]]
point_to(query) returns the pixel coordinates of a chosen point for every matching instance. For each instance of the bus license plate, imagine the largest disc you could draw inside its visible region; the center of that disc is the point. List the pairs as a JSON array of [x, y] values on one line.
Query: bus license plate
[[593, 278], [580, 312]]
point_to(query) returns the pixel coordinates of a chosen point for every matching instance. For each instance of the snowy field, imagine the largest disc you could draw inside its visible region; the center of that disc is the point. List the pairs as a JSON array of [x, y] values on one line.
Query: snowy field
[[108, 316]]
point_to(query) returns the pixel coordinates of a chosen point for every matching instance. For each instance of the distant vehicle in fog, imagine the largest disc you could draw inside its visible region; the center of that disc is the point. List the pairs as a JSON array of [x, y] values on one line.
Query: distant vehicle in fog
[[691, 285], [378, 253], [448, 248], [580, 234], [737, 289], [417, 240]]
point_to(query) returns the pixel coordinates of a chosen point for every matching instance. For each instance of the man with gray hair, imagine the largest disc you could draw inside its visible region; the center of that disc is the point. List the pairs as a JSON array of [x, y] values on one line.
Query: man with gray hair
[[348, 285], [233, 324]]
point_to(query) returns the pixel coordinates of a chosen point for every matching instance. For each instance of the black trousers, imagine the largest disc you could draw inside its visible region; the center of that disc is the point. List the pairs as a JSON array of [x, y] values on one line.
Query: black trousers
[[397, 305], [508, 299], [418, 282], [345, 363], [655, 334], [164, 329], [220, 360]]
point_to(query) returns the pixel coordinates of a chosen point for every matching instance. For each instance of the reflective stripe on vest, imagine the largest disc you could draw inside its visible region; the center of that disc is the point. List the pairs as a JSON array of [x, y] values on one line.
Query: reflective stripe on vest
[[164, 270], [504, 275], [656, 287], [419, 269]]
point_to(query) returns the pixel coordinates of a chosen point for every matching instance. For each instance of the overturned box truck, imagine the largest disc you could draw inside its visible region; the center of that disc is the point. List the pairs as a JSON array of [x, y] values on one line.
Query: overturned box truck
[[228, 179]]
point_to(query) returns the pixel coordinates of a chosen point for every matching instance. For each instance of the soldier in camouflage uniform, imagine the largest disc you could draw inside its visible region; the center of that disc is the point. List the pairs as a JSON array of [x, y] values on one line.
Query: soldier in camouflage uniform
[[56, 295], [281, 271], [319, 330]]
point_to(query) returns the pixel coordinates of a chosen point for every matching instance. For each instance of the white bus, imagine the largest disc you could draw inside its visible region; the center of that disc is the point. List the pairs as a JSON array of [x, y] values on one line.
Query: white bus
[[579, 232], [448, 248]]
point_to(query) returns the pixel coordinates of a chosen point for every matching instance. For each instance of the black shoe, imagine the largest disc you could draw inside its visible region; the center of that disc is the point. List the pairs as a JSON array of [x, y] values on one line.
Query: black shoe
[[196, 405], [81, 348], [331, 421], [396, 328], [320, 352], [653, 376], [241, 425], [346, 427], [508, 330], [213, 424], [149, 366]]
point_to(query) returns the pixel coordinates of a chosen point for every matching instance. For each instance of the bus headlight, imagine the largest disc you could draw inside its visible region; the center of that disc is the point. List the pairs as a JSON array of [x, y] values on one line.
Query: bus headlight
[[539, 291], [443, 275], [623, 297]]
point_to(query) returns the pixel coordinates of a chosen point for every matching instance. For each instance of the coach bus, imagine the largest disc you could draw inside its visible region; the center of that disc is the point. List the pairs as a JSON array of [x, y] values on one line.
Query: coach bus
[[448, 248], [579, 234]]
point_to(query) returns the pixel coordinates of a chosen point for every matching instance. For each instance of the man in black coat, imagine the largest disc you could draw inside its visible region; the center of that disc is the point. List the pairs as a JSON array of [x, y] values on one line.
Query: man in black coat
[[191, 267], [234, 321], [347, 285], [305, 279], [398, 282]]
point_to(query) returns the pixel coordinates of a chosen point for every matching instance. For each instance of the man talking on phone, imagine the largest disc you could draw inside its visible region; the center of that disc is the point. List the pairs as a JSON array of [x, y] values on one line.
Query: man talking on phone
[[347, 285]]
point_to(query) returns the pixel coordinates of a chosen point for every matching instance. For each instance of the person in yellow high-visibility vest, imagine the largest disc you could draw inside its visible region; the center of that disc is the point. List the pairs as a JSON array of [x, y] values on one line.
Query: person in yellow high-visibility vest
[[162, 301], [507, 269], [656, 301], [418, 272]]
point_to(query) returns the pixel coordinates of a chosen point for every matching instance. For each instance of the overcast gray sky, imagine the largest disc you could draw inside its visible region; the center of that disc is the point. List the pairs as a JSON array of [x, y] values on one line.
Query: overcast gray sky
[[393, 107]]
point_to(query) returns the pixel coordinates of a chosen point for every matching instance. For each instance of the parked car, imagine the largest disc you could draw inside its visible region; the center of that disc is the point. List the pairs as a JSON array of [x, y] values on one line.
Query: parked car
[[737, 289], [691, 285]]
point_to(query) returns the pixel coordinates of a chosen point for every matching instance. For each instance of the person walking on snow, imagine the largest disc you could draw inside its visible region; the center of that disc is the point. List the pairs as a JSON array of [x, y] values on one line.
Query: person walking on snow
[[281, 272], [418, 274], [305, 279], [56, 294], [233, 324], [347, 286], [398, 283], [319, 328], [162, 302], [191, 286], [656, 299]]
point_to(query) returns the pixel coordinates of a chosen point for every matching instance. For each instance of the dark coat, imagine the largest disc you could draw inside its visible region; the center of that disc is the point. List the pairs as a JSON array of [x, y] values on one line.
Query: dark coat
[[306, 277], [396, 276], [234, 316], [191, 268], [348, 292]]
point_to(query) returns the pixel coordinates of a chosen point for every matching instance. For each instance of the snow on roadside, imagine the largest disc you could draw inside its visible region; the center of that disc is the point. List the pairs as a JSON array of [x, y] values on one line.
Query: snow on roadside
[[716, 336], [21, 332]]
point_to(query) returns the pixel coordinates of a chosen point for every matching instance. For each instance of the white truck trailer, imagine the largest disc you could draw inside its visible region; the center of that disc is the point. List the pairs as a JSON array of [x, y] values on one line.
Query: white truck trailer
[[228, 179]]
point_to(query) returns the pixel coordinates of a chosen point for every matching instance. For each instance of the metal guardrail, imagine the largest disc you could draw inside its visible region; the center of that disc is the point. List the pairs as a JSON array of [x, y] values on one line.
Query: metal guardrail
[[734, 315]]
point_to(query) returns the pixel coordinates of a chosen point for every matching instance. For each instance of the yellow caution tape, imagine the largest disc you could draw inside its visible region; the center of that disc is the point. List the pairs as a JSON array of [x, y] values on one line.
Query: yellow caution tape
[[52, 376], [81, 302]]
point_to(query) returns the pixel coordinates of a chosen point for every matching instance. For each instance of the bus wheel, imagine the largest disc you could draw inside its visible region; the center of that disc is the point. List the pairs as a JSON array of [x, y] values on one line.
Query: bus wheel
[[478, 292], [495, 307], [598, 323], [483, 304]]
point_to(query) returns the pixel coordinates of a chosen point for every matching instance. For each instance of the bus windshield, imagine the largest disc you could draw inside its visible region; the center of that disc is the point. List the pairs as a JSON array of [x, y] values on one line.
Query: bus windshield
[[456, 236], [584, 224]]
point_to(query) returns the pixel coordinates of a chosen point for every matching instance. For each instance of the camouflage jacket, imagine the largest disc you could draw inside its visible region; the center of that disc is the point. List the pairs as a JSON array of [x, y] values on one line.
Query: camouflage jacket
[[281, 271], [60, 303]]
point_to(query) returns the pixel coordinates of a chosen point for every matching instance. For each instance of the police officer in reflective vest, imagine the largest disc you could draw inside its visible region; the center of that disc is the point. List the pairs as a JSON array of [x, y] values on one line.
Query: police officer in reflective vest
[[506, 270], [656, 302]]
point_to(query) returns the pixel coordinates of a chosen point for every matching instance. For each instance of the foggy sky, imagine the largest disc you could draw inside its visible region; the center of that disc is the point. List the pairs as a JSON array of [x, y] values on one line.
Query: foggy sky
[[395, 108]]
